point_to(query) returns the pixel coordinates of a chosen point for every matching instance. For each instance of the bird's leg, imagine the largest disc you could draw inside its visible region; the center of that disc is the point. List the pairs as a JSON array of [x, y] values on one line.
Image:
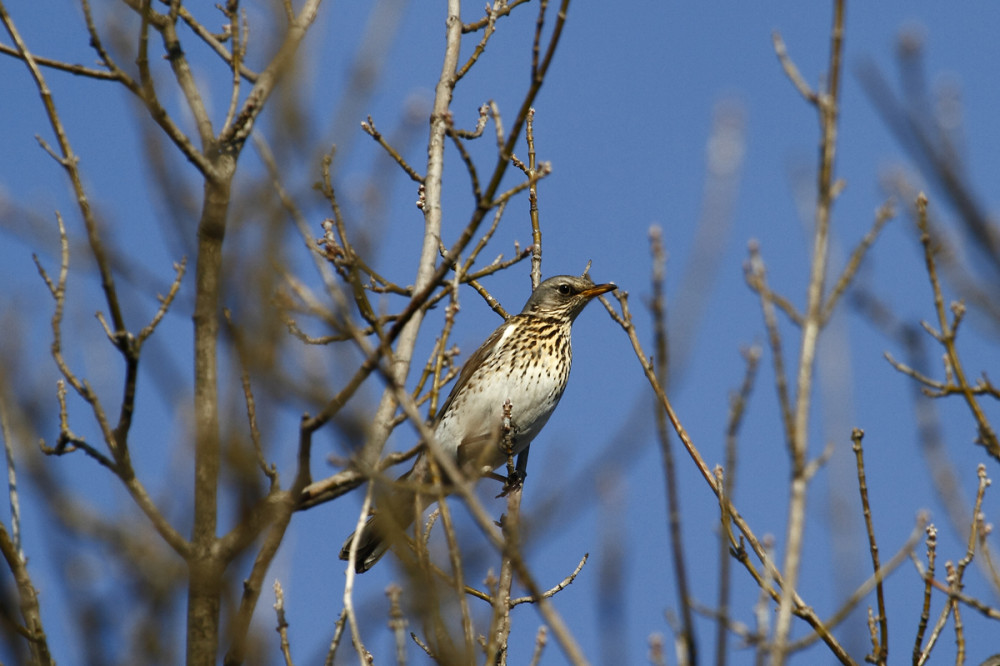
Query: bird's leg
[[522, 463], [515, 474], [512, 481]]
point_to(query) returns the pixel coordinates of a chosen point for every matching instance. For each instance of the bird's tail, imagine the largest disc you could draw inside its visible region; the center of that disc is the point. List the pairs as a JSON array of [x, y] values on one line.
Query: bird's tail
[[381, 531]]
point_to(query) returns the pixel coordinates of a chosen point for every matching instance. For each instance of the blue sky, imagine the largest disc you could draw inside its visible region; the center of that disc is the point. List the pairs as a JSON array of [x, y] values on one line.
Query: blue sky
[[624, 118]]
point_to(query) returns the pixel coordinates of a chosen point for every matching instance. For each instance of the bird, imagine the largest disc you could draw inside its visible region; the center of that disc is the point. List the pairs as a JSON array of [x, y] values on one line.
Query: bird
[[521, 370]]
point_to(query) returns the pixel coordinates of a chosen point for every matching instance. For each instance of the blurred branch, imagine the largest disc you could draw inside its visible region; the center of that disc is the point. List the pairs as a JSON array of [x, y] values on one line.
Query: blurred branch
[[32, 628], [217, 162], [725, 153], [540, 642], [924, 137], [12, 491], [397, 622], [13, 554]]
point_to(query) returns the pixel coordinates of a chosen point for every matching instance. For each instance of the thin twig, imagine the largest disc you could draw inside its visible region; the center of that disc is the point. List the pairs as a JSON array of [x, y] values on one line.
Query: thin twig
[[947, 334], [269, 470], [503, 9], [72, 68], [885, 213], [880, 652], [558, 587], [282, 628], [791, 70], [658, 312], [756, 274], [338, 632], [369, 128], [928, 576], [490, 25], [536, 229], [540, 641], [217, 46], [727, 484]]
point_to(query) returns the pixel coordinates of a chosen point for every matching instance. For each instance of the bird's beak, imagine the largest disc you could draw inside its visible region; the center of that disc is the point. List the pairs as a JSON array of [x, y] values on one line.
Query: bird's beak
[[598, 289]]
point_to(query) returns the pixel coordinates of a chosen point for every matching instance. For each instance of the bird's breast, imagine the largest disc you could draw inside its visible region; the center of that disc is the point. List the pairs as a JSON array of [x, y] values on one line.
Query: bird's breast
[[529, 366]]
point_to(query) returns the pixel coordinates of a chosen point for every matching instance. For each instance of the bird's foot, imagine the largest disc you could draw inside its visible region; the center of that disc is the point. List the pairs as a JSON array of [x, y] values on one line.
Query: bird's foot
[[512, 482]]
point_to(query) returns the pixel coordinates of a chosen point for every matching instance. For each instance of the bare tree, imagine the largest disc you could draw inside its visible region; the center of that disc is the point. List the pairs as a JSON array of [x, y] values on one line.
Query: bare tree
[[277, 292]]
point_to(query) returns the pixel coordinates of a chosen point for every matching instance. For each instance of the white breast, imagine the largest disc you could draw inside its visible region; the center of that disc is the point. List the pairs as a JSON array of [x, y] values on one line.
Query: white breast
[[534, 389]]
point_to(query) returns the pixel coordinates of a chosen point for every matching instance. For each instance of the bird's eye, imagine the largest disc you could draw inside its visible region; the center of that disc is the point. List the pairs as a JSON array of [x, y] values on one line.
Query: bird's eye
[[564, 289]]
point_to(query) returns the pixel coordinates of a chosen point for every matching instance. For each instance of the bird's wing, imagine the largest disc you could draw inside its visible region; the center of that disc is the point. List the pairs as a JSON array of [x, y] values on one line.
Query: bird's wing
[[472, 451], [475, 361]]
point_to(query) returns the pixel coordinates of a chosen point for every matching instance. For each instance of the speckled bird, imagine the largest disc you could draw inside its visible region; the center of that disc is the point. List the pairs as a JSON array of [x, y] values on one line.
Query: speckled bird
[[526, 361]]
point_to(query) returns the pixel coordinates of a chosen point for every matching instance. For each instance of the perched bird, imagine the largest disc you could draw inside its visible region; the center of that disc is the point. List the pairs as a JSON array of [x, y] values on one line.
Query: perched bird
[[526, 361]]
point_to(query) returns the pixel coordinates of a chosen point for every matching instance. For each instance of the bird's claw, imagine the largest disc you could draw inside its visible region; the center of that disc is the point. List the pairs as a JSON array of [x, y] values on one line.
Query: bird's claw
[[513, 482]]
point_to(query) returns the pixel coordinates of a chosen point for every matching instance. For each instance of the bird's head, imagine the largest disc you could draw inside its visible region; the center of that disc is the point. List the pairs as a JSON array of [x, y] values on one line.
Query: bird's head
[[564, 295]]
